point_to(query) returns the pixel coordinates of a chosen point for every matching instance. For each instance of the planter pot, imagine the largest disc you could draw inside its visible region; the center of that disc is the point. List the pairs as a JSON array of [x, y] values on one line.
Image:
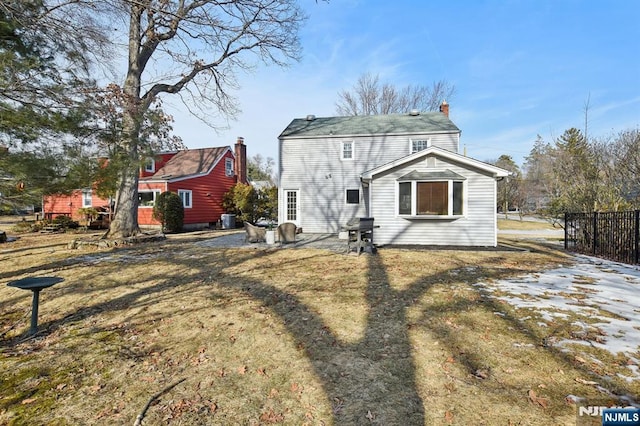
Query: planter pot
[[270, 237]]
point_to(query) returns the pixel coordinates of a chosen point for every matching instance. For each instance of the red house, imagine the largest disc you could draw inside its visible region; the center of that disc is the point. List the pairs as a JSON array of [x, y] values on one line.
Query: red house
[[200, 176]]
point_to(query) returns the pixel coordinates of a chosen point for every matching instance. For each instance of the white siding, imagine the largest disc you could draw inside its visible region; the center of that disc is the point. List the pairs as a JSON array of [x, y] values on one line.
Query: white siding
[[476, 228], [315, 168]]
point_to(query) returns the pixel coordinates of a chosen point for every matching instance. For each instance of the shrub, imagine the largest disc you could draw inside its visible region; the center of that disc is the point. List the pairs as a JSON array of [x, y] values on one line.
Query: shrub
[[23, 226], [89, 212], [249, 204], [66, 222], [169, 211]]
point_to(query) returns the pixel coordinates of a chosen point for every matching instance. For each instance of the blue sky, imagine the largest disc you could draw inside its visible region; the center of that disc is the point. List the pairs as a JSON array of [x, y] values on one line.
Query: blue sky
[[520, 68]]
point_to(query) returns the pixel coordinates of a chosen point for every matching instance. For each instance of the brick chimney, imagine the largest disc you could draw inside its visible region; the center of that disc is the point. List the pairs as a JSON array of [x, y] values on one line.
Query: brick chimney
[[444, 108], [240, 167]]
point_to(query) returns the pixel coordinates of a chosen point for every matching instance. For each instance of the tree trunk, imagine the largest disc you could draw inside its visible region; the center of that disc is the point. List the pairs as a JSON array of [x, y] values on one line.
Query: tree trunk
[[125, 220]]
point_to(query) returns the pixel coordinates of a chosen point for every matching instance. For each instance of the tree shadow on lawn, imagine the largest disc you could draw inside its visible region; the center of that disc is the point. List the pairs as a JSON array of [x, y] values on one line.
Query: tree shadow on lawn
[[373, 377], [358, 378], [372, 380]]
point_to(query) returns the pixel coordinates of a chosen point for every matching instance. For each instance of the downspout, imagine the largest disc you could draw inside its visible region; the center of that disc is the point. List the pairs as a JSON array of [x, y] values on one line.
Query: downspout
[[366, 183]]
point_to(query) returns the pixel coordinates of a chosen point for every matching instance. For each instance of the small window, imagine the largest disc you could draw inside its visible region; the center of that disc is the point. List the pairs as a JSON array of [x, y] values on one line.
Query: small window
[[185, 196], [353, 196], [404, 198], [86, 198], [228, 167], [457, 198], [419, 145], [150, 165], [147, 198], [347, 150]]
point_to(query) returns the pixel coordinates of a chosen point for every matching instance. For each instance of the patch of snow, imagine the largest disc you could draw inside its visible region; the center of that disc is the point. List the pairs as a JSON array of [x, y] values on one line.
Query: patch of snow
[[523, 345], [575, 399], [608, 293]]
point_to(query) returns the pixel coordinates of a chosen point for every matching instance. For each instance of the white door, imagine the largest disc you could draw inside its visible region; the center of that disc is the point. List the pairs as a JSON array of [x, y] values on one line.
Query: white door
[[292, 206]]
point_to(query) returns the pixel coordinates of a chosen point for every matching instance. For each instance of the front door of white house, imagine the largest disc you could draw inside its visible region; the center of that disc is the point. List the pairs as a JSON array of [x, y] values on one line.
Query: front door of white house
[[292, 205]]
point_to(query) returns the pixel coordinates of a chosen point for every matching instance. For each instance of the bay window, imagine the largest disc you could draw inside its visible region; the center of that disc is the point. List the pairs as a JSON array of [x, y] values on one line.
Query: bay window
[[431, 194]]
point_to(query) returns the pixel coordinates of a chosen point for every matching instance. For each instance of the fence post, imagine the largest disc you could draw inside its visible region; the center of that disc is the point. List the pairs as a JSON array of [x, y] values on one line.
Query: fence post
[[637, 236], [566, 234], [595, 231]]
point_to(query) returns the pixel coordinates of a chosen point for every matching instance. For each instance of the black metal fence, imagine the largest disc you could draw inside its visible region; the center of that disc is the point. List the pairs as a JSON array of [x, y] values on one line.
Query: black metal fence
[[610, 235]]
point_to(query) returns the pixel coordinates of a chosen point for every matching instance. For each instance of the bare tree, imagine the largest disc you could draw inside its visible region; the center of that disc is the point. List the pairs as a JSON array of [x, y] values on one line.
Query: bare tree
[[369, 97], [509, 193], [626, 154], [261, 169], [196, 48]]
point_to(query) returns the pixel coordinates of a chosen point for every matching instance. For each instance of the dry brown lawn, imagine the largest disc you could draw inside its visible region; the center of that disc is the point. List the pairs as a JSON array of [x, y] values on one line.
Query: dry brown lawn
[[277, 336], [524, 225]]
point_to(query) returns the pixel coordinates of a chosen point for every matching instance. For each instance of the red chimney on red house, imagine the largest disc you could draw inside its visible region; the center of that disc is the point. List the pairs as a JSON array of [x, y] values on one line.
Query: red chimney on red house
[[444, 108], [241, 160]]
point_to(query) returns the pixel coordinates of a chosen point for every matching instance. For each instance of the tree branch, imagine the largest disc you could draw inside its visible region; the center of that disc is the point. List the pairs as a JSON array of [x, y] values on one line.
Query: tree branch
[[140, 417]]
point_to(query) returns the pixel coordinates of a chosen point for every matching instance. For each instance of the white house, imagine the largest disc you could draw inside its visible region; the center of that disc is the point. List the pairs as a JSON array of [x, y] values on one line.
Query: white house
[[403, 170]]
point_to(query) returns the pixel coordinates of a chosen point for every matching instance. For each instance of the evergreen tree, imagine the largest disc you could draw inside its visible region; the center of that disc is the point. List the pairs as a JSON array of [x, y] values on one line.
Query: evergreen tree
[[169, 211], [575, 175], [44, 83]]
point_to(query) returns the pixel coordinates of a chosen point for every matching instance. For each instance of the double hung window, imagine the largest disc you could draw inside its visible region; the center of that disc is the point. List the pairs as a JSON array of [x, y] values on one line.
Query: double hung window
[[419, 145], [347, 150], [86, 198], [185, 196], [228, 167], [150, 165]]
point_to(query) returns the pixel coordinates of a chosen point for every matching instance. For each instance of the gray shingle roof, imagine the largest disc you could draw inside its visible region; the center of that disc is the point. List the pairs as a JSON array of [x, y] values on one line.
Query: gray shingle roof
[[426, 122], [432, 176]]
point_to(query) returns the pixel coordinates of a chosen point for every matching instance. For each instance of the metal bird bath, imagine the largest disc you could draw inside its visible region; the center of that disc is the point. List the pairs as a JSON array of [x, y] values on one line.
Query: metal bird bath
[[35, 284]]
